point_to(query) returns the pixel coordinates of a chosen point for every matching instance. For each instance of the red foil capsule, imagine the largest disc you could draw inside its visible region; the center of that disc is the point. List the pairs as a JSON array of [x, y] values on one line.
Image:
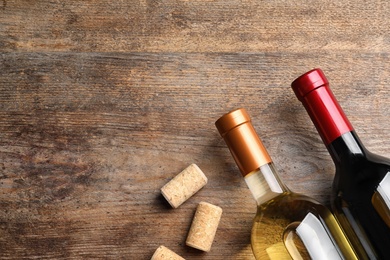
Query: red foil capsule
[[312, 89]]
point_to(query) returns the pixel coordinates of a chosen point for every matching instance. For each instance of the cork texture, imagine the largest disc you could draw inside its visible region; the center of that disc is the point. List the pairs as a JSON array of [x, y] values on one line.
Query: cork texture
[[184, 185], [204, 226], [163, 253]]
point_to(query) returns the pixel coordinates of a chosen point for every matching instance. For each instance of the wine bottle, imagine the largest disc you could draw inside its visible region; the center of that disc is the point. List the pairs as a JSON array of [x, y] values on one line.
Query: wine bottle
[[361, 186], [287, 225]]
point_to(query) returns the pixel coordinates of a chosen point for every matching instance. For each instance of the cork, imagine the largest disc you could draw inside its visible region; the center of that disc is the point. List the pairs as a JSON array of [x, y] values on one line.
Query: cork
[[163, 253], [204, 226], [184, 185]]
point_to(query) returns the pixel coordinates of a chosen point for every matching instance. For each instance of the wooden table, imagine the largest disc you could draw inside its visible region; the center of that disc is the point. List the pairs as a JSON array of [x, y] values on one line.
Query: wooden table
[[103, 102]]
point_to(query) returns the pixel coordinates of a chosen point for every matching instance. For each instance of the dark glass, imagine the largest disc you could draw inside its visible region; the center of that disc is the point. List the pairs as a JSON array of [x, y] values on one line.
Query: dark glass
[[358, 173], [361, 187]]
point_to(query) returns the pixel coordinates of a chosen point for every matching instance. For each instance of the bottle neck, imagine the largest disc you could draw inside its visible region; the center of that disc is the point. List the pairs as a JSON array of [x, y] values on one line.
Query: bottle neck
[[264, 184], [333, 125], [244, 144], [346, 148], [250, 155], [326, 114], [337, 133]]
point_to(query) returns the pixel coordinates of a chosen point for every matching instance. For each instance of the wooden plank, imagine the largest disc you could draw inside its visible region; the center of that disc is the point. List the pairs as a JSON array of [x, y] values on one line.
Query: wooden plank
[[103, 102], [88, 139], [194, 26]]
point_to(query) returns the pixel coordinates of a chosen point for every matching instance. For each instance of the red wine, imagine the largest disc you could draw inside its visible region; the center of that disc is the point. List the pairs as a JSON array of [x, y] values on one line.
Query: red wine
[[361, 189]]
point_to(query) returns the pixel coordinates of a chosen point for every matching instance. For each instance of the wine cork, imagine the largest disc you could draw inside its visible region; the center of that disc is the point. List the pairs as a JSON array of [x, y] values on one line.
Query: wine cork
[[204, 226], [184, 185], [163, 253]]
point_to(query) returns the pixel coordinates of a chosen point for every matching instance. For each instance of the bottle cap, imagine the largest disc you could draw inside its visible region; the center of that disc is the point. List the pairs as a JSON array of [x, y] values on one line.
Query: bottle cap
[[312, 89], [308, 82], [245, 146]]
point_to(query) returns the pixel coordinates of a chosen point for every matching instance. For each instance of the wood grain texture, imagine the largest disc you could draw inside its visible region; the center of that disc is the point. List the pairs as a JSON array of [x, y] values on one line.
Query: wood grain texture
[[195, 26], [102, 103]]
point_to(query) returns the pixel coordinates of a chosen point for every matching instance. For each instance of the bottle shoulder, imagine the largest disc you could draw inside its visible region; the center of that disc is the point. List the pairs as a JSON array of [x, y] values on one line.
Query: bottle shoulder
[[348, 149], [362, 173], [354, 163], [378, 159], [291, 204]]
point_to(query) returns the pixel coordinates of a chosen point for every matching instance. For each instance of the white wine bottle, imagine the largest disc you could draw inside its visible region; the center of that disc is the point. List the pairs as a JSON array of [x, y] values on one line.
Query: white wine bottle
[[287, 225]]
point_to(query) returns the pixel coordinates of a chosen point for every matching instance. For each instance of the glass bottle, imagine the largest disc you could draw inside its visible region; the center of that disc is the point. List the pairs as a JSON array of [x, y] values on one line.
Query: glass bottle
[[361, 186], [287, 225]]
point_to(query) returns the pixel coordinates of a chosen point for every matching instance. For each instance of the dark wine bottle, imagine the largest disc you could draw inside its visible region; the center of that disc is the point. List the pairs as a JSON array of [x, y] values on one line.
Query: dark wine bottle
[[361, 186]]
